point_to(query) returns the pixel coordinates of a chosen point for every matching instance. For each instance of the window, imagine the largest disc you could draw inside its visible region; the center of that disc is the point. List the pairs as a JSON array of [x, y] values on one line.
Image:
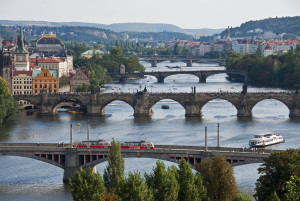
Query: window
[[41, 86], [35, 85], [35, 91], [54, 85]]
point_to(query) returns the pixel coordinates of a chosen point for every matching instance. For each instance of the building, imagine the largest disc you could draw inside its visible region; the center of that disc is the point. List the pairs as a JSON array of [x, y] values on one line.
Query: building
[[21, 54], [79, 78], [58, 64], [45, 81], [90, 53], [244, 46], [5, 67], [21, 82], [52, 47], [268, 51]]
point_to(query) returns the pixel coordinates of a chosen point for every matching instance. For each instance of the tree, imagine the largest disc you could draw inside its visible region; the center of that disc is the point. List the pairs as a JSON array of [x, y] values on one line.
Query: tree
[[86, 186], [135, 189], [242, 197], [292, 189], [109, 196], [114, 173], [8, 106], [164, 183], [259, 50], [276, 170], [218, 178], [186, 180]]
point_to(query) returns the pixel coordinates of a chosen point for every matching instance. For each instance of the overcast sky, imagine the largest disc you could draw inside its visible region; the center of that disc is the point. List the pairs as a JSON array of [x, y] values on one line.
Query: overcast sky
[[183, 13]]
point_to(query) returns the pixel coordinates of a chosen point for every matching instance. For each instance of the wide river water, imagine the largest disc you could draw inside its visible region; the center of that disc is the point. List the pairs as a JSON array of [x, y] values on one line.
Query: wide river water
[[27, 179]]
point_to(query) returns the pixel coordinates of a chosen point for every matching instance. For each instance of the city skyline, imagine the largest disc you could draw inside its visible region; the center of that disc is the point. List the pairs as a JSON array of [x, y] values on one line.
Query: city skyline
[[192, 14]]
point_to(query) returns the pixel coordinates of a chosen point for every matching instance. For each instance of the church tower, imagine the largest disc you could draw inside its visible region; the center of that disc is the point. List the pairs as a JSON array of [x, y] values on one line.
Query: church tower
[[5, 67], [21, 57]]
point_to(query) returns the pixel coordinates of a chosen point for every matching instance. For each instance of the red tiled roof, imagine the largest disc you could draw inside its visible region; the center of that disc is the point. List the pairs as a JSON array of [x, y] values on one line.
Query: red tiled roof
[[46, 60], [18, 72]]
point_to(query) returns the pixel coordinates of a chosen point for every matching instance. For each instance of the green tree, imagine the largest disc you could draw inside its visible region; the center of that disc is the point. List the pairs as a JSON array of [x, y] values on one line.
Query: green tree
[[164, 183], [86, 186], [114, 173], [82, 88], [186, 180], [242, 197], [8, 106], [218, 178], [135, 189], [276, 170], [292, 189], [259, 50]]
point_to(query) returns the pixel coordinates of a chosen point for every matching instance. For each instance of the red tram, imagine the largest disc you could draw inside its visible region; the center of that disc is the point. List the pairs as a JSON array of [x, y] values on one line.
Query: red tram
[[107, 144]]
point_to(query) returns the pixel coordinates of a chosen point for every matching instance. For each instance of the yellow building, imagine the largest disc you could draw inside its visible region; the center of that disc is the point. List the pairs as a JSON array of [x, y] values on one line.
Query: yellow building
[[46, 80]]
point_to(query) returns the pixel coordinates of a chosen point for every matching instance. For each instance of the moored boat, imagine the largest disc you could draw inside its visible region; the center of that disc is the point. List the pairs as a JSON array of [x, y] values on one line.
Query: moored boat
[[265, 139]]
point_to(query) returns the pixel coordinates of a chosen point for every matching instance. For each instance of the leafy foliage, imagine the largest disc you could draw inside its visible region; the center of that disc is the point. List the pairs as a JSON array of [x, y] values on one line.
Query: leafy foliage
[[242, 197], [114, 173], [292, 189], [135, 189], [86, 186], [8, 106], [277, 70], [164, 183], [276, 170], [289, 25], [218, 178]]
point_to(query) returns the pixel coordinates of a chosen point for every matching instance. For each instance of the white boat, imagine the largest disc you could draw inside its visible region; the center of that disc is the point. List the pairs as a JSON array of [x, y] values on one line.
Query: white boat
[[265, 139]]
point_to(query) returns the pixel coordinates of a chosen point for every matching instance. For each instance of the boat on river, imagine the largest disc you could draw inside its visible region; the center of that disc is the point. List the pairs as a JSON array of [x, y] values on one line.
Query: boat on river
[[165, 107], [265, 139]]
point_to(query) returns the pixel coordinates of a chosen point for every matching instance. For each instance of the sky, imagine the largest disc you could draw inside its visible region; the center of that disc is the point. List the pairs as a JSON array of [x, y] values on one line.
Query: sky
[[189, 14]]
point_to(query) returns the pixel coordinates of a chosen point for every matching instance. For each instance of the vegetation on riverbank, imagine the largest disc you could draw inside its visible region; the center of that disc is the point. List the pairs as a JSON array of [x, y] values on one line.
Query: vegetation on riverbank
[[8, 106], [282, 70], [162, 184]]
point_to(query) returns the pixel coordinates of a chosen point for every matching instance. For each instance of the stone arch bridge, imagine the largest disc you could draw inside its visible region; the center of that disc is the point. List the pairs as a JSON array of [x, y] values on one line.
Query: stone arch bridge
[[161, 75], [142, 103], [71, 159]]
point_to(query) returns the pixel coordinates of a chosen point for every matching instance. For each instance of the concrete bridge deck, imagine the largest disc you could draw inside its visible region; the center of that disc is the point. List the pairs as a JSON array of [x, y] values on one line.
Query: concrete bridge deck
[[71, 159]]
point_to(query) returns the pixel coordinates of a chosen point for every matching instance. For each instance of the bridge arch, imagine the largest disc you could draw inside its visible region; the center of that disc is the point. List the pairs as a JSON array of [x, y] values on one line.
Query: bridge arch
[[189, 76], [219, 101], [65, 102], [105, 104], [40, 158], [275, 103]]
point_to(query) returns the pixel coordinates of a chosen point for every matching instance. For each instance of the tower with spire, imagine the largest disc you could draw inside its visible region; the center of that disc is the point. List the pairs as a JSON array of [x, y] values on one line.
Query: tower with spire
[[21, 55]]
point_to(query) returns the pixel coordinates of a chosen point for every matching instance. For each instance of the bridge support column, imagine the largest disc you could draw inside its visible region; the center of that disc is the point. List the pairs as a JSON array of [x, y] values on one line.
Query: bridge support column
[[94, 110], [202, 78], [160, 79], [295, 112], [71, 164], [193, 111], [45, 110], [122, 79], [154, 63], [244, 112], [141, 108], [189, 63]]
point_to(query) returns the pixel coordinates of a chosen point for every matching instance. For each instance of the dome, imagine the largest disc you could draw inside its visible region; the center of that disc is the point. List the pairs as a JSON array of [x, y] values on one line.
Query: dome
[[52, 40]]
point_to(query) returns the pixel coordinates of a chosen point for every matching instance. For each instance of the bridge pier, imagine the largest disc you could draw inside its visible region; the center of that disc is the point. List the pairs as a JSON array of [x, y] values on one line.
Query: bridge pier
[[45, 110], [294, 112], [94, 110], [189, 63], [160, 79], [244, 112], [71, 164], [202, 78], [193, 111], [154, 63]]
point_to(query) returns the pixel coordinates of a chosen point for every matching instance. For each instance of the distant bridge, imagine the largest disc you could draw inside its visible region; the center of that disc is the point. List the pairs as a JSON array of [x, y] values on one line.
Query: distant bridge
[[161, 75], [142, 103], [71, 159], [155, 59]]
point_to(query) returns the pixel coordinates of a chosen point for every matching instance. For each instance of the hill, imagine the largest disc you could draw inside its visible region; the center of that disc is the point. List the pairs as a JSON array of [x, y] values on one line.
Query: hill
[[119, 27], [288, 25]]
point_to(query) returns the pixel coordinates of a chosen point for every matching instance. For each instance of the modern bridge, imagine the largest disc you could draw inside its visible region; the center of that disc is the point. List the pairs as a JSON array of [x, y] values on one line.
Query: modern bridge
[[71, 159], [142, 102], [161, 75]]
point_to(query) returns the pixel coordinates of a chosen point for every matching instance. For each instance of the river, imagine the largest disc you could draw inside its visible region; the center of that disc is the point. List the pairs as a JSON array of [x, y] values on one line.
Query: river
[[28, 179]]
